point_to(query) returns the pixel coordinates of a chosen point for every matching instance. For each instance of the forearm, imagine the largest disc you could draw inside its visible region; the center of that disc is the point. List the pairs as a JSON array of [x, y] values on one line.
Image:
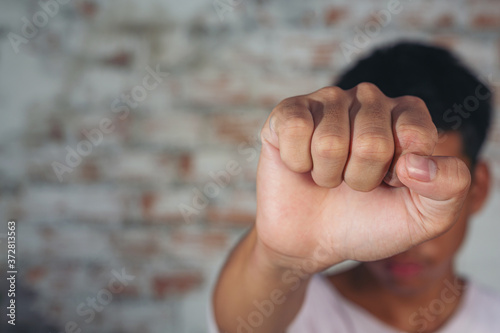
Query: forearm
[[252, 292]]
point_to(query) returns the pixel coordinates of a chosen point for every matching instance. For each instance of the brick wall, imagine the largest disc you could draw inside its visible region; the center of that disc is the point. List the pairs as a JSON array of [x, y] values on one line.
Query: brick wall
[[129, 139]]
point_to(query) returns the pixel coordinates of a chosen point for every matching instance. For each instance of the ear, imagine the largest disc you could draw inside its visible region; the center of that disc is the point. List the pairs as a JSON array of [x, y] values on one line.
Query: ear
[[480, 186]]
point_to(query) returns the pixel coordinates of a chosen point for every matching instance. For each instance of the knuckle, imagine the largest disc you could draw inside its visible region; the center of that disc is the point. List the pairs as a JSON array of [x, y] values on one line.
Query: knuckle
[[333, 93], [292, 116], [367, 87], [297, 126], [289, 105], [368, 93], [373, 148], [418, 136], [331, 146], [412, 100]]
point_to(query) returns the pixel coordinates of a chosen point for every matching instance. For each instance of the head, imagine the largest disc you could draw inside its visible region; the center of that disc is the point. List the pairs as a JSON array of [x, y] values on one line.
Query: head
[[460, 107]]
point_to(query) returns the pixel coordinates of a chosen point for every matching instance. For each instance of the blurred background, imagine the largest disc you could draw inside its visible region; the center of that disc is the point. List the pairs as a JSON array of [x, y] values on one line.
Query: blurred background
[[120, 122]]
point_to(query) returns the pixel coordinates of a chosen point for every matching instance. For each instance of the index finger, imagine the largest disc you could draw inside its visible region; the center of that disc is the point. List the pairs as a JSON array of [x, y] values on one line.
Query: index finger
[[289, 128], [414, 132]]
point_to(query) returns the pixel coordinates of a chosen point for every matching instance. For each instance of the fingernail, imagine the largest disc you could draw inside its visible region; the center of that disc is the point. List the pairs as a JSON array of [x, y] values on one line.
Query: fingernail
[[421, 168]]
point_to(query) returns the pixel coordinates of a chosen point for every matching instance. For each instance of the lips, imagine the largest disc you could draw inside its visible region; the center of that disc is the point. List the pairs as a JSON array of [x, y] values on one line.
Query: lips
[[404, 269]]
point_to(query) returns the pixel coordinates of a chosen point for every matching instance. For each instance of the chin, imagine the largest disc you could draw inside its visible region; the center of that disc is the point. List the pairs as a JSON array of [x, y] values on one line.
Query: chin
[[408, 287], [403, 278]]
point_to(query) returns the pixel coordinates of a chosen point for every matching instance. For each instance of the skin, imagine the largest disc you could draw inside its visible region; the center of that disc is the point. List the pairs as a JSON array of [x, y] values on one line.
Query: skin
[[413, 279], [342, 175]]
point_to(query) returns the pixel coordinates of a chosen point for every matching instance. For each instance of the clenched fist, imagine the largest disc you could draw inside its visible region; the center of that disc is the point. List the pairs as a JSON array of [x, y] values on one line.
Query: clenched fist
[[352, 173]]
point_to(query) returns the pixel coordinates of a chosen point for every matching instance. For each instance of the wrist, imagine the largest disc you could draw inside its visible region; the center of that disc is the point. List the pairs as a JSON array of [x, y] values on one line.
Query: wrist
[[270, 262], [273, 269], [264, 260]]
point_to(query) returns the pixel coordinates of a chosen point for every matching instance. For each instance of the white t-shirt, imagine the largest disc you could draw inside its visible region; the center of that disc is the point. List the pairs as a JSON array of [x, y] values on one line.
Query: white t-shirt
[[325, 310]]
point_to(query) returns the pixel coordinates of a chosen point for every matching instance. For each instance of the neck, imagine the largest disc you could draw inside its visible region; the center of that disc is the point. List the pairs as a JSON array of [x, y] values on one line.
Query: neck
[[410, 309]]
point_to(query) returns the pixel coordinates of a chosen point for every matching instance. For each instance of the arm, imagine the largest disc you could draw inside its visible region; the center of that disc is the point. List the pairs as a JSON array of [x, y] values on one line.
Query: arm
[[340, 173], [250, 282]]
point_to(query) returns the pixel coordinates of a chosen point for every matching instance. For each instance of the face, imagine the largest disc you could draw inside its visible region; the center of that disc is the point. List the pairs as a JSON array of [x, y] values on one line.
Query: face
[[429, 263]]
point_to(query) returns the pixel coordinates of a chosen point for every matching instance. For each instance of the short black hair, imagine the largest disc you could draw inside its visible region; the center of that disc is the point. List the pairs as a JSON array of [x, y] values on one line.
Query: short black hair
[[457, 100]]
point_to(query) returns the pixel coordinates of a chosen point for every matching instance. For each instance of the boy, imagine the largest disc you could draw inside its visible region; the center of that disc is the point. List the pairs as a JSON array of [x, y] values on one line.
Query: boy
[[366, 171]]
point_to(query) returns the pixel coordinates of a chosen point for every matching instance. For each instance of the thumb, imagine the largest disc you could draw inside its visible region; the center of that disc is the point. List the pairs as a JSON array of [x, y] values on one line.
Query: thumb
[[442, 183]]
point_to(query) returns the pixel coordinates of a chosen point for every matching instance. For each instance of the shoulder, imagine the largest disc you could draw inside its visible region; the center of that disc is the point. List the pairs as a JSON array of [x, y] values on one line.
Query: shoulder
[[485, 299], [319, 292], [320, 309], [483, 308], [325, 310]]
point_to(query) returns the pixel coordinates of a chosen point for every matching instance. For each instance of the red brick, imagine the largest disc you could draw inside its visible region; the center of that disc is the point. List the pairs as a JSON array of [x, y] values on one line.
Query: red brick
[[224, 83], [334, 15], [413, 20], [135, 242], [186, 165], [207, 240], [89, 171], [120, 59], [445, 21], [35, 274], [217, 216], [486, 21], [147, 201], [56, 130], [447, 41], [88, 8], [175, 283], [236, 128], [322, 55]]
